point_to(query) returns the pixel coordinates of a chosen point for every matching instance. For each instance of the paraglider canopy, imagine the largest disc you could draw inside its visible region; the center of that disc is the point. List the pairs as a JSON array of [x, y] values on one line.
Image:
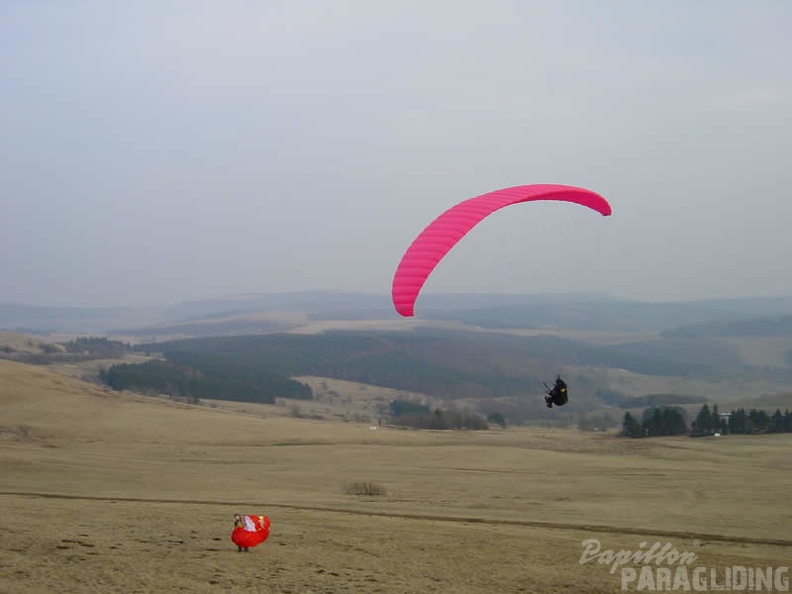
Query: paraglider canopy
[[442, 234], [249, 531]]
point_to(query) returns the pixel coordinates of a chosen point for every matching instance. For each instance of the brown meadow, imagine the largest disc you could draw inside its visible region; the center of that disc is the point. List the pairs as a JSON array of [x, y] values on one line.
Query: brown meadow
[[107, 492]]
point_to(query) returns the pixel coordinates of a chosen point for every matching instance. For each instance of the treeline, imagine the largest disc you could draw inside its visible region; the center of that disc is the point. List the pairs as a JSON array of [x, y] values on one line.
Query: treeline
[[420, 416], [709, 422], [214, 378], [661, 421], [97, 347], [656, 422]]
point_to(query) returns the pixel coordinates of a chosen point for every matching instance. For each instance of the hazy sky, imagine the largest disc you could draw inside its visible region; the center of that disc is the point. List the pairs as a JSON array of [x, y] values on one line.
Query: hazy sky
[[159, 151]]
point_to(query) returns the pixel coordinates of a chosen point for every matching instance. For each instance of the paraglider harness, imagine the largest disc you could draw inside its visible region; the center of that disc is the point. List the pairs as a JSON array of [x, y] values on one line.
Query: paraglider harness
[[557, 394]]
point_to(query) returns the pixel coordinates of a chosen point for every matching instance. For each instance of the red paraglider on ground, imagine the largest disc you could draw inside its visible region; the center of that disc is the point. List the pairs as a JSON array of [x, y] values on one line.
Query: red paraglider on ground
[[250, 531], [442, 234]]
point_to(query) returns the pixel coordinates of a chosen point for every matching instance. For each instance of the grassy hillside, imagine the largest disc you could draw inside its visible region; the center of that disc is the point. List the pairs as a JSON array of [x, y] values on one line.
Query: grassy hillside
[[454, 364], [488, 371], [13, 344], [121, 492]]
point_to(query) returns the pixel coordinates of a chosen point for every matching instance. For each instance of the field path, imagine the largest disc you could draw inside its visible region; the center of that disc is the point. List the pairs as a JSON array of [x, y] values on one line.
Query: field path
[[425, 517]]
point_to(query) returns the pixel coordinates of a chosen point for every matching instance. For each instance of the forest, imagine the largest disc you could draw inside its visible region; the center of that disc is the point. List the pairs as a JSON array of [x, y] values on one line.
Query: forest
[[668, 420], [193, 377], [458, 364]]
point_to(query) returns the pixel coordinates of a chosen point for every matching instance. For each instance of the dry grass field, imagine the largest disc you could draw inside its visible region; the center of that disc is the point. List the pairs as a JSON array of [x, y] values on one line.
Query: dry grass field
[[103, 492]]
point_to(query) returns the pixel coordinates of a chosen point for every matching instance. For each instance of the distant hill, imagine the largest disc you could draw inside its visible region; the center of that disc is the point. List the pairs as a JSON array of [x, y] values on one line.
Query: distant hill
[[236, 314], [210, 327], [311, 302], [611, 315], [31, 319], [451, 366], [753, 327], [40, 406], [748, 307], [501, 311], [619, 316], [29, 349], [455, 363], [12, 345]]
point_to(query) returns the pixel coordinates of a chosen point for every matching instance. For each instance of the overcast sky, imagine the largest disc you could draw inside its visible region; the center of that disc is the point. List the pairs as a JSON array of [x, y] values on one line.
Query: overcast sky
[[159, 151]]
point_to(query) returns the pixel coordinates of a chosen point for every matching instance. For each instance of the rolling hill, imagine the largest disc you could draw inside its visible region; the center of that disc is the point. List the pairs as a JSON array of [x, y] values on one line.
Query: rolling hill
[[560, 311]]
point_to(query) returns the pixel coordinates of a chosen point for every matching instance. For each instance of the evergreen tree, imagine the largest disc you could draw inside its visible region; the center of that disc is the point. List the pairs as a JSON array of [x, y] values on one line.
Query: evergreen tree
[[661, 421], [651, 422], [703, 424], [777, 422], [738, 421], [716, 420], [674, 421], [760, 420], [631, 427]]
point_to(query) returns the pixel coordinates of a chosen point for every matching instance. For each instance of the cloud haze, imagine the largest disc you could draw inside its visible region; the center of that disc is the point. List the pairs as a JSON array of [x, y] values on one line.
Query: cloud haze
[[152, 152]]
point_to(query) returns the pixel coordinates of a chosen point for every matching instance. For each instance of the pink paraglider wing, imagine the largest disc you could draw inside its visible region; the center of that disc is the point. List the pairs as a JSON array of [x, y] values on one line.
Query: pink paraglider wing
[[442, 234]]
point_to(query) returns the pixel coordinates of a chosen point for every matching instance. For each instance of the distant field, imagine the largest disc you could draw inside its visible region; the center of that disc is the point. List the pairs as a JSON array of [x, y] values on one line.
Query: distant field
[[334, 400], [107, 492], [21, 343], [765, 351]]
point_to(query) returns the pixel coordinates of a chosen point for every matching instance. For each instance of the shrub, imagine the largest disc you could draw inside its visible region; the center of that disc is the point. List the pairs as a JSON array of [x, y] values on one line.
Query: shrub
[[367, 489]]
